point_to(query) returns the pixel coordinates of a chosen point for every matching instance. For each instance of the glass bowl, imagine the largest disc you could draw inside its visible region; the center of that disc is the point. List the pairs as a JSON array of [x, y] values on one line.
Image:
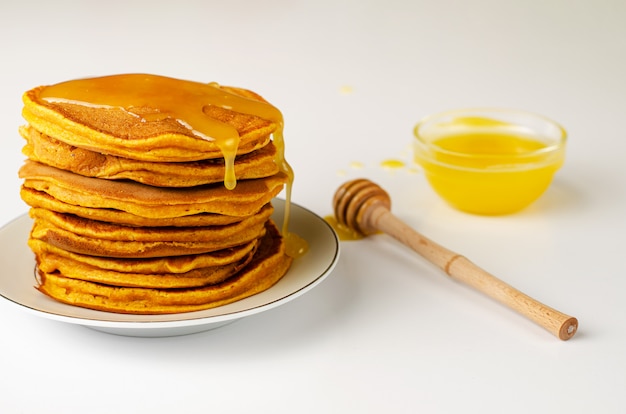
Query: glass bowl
[[489, 161]]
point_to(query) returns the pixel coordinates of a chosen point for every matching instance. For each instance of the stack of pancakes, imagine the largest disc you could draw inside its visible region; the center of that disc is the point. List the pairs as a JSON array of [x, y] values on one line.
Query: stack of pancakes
[[131, 211]]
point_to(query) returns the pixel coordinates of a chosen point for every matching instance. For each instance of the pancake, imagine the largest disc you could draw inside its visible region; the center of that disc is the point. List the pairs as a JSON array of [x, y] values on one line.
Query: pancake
[[44, 200], [157, 265], [110, 231], [152, 195], [267, 267], [144, 134], [46, 150], [203, 276], [129, 248], [148, 201], [95, 238]]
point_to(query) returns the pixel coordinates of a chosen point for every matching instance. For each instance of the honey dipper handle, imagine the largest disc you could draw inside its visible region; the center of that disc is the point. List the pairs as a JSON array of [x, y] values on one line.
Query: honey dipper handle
[[463, 270]]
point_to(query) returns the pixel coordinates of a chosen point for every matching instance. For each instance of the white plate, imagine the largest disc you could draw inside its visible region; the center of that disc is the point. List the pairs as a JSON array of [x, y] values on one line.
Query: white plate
[[17, 281]]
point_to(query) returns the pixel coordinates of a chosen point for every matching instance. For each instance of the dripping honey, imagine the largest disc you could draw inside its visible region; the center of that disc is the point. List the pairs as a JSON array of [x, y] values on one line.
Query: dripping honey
[[185, 102]]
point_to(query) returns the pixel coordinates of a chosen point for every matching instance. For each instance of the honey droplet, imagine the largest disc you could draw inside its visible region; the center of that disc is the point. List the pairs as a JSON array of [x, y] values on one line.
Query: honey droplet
[[343, 232], [392, 164], [346, 90], [295, 246]]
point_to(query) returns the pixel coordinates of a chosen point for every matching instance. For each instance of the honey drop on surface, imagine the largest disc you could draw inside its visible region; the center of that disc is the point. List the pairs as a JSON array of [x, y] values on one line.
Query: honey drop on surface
[[346, 90], [392, 164], [343, 232]]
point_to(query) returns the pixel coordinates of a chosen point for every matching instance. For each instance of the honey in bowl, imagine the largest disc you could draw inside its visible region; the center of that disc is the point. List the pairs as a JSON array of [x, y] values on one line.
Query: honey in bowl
[[489, 161]]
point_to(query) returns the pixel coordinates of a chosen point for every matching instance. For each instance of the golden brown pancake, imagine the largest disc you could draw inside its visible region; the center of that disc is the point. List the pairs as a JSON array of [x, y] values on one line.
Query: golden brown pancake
[[152, 195], [44, 200], [46, 150], [109, 231], [268, 266], [50, 263], [151, 202], [117, 132], [145, 245], [157, 265]]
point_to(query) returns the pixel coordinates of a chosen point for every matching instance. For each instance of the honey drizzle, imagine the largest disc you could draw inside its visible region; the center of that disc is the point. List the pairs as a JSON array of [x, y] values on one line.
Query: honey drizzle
[[295, 245], [185, 102]]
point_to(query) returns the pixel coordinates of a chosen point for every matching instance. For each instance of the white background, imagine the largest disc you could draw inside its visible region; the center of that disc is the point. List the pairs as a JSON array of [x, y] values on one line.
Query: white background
[[386, 332]]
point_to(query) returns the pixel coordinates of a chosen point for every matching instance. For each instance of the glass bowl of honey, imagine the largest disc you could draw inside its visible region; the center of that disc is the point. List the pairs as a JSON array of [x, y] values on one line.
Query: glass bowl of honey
[[489, 161]]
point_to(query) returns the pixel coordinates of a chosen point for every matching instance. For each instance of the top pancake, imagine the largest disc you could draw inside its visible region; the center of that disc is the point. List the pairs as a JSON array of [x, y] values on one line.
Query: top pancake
[[140, 135]]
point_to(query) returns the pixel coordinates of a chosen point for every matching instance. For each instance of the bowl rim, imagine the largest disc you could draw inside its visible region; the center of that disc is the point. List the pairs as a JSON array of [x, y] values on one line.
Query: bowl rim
[[560, 141], [429, 145]]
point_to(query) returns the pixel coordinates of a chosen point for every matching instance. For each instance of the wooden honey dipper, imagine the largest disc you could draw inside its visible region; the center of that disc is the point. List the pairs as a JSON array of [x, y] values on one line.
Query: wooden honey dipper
[[365, 207]]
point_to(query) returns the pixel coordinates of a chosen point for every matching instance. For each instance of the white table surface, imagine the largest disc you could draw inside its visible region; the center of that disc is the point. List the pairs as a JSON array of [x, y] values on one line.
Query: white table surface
[[386, 332]]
